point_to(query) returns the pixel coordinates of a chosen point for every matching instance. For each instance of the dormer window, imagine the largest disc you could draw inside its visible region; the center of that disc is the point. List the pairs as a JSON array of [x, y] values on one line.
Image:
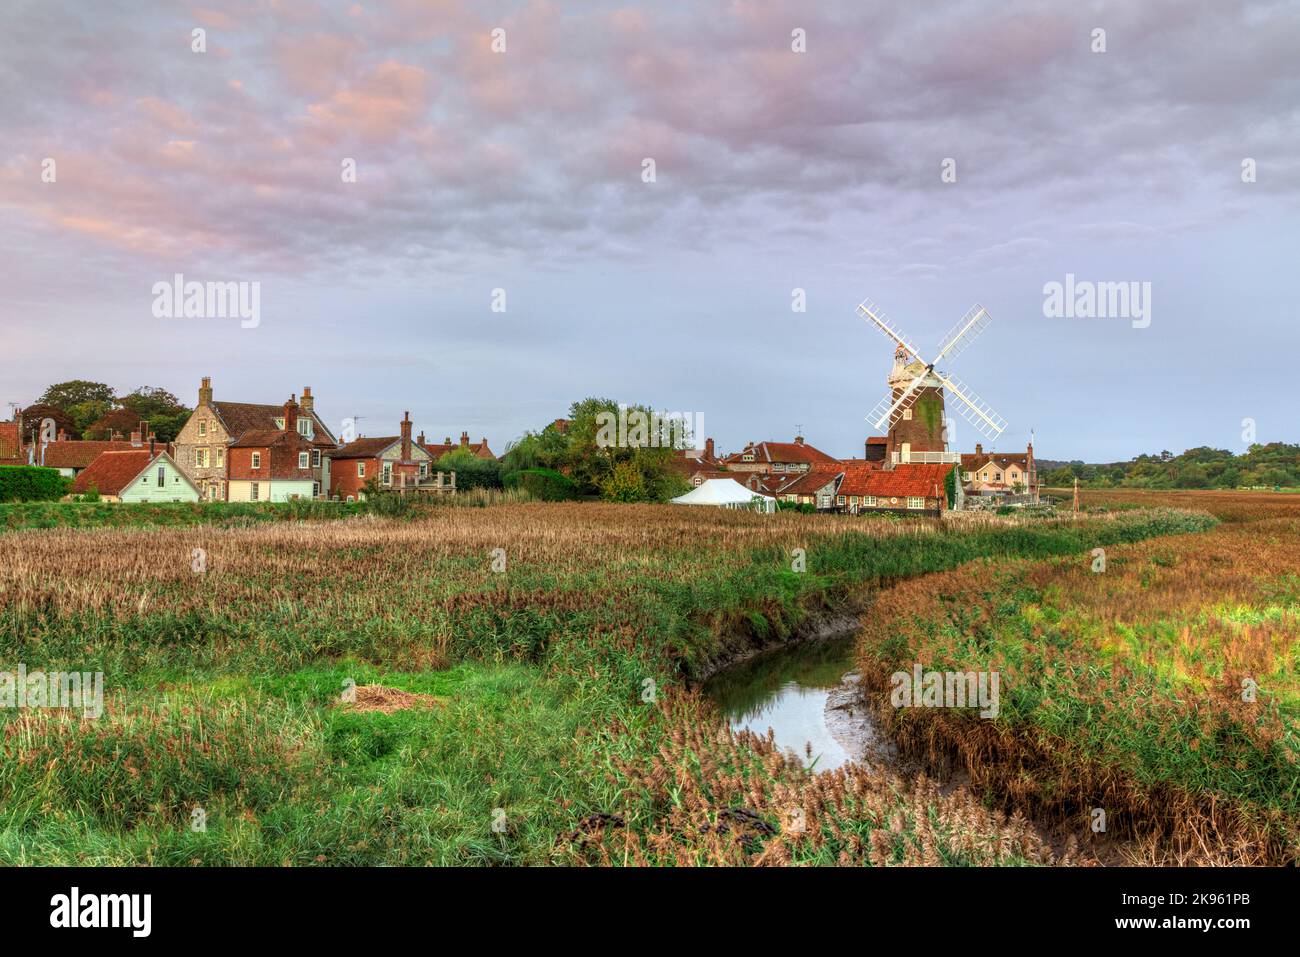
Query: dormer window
[[305, 428]]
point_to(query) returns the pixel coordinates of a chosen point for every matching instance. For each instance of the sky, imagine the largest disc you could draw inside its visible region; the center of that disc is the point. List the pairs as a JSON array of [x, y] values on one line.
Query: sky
[[503, 249]]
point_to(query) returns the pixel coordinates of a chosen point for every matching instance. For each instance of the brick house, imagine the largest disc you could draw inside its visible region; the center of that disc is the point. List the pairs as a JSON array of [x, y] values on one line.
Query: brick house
[[904, 489], [136, 475], [272, 465], [778, 458], [73, 456], [393, 461], [991, 473], [817, 487], [11, 441], [201, 445]]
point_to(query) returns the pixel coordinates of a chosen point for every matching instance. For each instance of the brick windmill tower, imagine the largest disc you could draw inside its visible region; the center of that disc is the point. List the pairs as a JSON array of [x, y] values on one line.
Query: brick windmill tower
[[912, 415]]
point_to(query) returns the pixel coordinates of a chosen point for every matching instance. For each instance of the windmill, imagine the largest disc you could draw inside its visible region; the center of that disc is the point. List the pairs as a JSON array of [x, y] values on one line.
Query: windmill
[[924, 376]]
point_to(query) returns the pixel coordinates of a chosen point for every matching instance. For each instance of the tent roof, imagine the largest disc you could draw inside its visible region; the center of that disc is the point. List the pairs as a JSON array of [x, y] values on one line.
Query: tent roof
[[719, 491]]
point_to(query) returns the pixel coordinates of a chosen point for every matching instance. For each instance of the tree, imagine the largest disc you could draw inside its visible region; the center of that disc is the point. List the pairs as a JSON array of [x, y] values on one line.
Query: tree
[[164, 412], [624, 483], [471, 471], [64, 395], [33, 415]]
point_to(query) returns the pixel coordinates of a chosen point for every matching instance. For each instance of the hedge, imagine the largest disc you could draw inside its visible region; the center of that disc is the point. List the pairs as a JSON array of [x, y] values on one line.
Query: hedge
[[545, 484], [30, 483]]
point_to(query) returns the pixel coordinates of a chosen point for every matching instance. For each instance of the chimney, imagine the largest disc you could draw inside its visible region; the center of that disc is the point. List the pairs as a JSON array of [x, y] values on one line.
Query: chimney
[[798, 440], [308, 403], [135, 439], [420, 438], [144, 429], [291, 414], [979, 449], [406, 436], [205, 391], [708, 448], [464, 439], [152, 453], [447, 440]]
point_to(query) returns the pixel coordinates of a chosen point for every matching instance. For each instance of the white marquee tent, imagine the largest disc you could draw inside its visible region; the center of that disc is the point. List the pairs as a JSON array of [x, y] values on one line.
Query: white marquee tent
[[727, 493]]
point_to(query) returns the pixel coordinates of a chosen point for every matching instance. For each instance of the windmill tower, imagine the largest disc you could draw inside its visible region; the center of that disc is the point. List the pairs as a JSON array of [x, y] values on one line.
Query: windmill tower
[[912, 414]]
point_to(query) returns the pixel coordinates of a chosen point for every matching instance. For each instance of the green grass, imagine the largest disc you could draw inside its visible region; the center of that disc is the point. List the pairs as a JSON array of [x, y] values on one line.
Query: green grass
[[236, 711]]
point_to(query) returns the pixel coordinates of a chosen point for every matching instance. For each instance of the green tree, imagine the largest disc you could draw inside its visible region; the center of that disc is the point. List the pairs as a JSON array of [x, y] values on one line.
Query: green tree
[[164, 412], [624, 483], [471, 471], [64, 395]]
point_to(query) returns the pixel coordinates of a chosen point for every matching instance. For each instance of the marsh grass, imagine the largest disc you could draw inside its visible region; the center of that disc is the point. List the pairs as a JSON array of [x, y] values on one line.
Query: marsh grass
[[541, 667]]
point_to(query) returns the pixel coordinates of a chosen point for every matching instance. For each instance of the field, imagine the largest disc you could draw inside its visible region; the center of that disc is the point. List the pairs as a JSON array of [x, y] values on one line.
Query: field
[[1162, 687], [547, 651]]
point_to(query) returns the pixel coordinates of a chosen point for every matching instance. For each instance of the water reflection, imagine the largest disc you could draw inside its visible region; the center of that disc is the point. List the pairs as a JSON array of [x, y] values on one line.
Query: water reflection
[[786, 690]]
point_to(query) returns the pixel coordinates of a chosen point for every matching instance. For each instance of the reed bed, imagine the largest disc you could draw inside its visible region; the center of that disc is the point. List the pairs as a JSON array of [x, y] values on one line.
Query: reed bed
[[536, 623]]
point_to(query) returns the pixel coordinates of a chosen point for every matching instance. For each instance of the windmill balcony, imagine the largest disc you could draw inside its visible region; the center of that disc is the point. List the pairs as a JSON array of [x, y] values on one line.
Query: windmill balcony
[[925, 458]]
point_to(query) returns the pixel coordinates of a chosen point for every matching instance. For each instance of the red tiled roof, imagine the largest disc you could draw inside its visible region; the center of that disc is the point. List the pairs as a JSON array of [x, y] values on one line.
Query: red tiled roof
[[241, 417], [783, 452], [78, 454], [809, 482], [973, 463], [366, 448], [898, 482], [11, 446], [112, 471]]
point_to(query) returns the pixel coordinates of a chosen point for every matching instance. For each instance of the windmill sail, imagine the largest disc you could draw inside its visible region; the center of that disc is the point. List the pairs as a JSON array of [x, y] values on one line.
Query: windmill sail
[[873, 312], [975, 411], [964, 333]]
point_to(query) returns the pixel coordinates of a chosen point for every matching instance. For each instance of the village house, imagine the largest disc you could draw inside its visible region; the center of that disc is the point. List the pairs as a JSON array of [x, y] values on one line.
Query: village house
[[778, 458], [272, 465], [136, 475], [994, 473], [11, 441], [201, 446], [904, 489], [73, 456], [392, 462], [817, 488]]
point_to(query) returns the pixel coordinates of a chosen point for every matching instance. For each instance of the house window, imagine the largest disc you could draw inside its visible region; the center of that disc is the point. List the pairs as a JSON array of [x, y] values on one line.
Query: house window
[[351, 499], [303, 458], [361, 470], [315, 458], [997, 476], [201, 458], [907, 415], [252, 491], [305, 428], [869, 501], [839, 500], [914, 501], [162, 476], [221, 458], [969, 477], [853, 500], [203, 427], [257, 460], [315, 489], [388, 473], [747, 457], [424, 470]]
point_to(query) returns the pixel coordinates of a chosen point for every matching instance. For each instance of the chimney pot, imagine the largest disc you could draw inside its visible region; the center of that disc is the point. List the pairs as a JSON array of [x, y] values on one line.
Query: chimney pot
[[979, 448]]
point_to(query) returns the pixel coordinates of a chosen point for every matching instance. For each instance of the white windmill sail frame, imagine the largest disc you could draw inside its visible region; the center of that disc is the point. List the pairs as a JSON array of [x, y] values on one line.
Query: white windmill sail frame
[[971, 407]]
